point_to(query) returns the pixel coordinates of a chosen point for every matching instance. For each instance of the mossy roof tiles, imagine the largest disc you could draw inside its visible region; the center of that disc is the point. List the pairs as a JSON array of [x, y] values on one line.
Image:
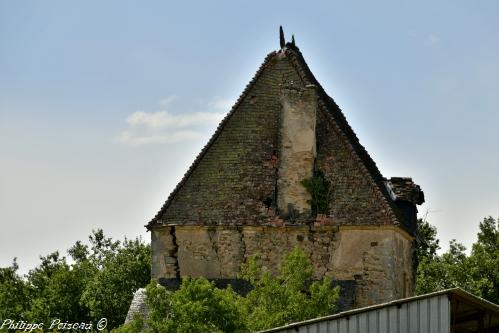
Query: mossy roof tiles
[[326, 105]]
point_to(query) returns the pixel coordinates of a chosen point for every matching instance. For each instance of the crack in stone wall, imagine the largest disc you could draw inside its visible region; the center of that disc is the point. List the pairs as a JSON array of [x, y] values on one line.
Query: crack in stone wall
[[165, 250], [378, 259], [174, 252], [214, 244]]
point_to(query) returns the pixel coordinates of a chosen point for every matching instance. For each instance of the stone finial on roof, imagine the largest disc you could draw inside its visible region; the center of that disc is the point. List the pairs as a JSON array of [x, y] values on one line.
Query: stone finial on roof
[[281, 37]]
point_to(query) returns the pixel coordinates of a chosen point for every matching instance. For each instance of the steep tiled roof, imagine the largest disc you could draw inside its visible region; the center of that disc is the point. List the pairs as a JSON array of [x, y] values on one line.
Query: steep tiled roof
[[333, 110], [212, 139], [337, 119]]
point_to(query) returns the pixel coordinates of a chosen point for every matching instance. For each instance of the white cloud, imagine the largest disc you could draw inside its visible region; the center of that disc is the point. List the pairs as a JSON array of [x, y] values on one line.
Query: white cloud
[[163, 126], [167, 120]]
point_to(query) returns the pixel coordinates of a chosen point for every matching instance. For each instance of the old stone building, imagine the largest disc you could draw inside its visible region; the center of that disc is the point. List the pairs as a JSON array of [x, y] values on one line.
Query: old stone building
[[250, 191]]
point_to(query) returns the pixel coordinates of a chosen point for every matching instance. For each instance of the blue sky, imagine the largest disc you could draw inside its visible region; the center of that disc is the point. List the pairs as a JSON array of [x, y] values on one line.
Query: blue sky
[[104, 104]]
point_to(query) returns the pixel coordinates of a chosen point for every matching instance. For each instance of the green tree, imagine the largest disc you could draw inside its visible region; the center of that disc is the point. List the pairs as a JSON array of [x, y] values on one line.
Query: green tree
[[476, 273], [98, 282], [428, 241], [14, 294], [437, 272], [197, 307], [429, 269], [124, 268], [484, 260], [54, 291], [136, 325], [285, 298]]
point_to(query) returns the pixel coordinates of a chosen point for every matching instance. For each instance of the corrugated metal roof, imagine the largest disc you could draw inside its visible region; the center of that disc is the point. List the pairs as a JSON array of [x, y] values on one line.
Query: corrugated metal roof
[[425, 313]]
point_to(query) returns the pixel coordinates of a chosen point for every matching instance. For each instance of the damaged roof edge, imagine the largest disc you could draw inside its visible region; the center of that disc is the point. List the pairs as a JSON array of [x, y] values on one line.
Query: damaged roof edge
[[336, 113], [404, 189]]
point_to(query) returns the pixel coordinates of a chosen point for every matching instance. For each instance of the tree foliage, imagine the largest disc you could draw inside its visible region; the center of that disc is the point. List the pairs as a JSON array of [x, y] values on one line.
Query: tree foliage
[[100, 278], [198, 306], [484, 260], [97, 282], [124, 270], [285, 298], [477, 272], [13, 293], [54, 287]]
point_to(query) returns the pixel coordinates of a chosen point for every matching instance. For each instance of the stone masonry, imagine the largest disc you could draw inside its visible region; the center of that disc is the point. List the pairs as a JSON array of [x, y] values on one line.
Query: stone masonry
[[378, 259], [244, 195]]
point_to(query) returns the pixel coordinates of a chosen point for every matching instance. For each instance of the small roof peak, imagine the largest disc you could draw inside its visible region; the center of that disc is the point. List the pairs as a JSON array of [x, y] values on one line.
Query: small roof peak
[[283, 43], [282, 40]]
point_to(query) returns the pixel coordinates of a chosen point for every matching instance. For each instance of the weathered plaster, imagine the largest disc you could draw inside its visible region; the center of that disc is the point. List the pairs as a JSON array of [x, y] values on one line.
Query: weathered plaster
[[297, 151], [164, 249], [378, 259]]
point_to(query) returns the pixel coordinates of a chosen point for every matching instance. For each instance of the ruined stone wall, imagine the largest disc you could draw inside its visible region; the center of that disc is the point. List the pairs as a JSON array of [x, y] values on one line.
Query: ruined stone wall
[[378, 259], [234, 202]]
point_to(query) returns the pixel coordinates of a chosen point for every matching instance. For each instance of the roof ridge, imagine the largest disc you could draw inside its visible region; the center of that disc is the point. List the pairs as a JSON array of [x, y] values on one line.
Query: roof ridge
[[215, 135]]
